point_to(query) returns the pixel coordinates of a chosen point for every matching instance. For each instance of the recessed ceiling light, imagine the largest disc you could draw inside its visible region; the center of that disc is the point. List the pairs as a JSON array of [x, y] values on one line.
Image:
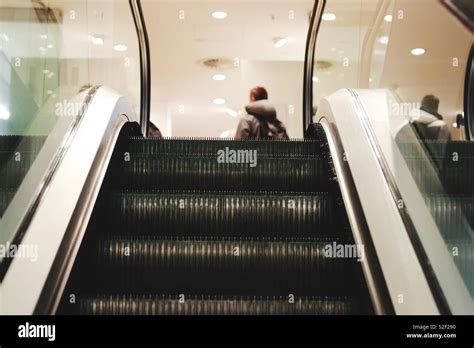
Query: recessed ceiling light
[[219, 77], [219, 101], [388, 18], [50, 46], [329, 17], [46, 72], [418, 51], [4, 113], [120, 48], [279, 42], [97, 40], [219, 15], [228, 134], [383, 40], [315, 79], [232, 112]]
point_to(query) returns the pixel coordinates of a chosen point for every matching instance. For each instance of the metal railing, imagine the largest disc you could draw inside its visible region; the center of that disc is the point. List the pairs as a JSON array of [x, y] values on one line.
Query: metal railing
[[318, 10], [145, 65]]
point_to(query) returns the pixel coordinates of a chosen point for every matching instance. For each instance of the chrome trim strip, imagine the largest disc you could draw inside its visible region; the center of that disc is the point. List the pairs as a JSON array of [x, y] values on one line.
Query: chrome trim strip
[[370, 265], [433, 282], [145, 65], [317, 13], [66, 255], [43, 187]]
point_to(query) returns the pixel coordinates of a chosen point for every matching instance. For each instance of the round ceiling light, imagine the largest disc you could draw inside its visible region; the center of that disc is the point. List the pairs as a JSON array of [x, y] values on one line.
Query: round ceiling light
[[219, 15], [219, 101], [219, 77], [329, 17], [418, 51], [120, 48]]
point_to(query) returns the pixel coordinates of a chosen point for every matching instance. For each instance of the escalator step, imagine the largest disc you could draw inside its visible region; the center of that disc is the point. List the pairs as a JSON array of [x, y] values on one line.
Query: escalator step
[[216, 305], [223, 265], [453, 165], [177, 146], [454, 215], [303, 174], [222, 214]]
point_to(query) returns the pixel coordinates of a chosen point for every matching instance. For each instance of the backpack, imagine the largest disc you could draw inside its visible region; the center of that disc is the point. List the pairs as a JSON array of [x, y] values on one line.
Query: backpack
[[272, 129]]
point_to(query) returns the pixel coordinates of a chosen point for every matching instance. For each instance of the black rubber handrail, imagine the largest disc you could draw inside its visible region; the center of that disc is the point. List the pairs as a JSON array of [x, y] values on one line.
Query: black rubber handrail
[[145, 65]]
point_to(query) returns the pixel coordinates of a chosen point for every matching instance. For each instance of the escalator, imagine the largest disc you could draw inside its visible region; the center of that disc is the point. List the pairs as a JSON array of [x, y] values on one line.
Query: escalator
[[448, 189], [17, 154], [176, 232]]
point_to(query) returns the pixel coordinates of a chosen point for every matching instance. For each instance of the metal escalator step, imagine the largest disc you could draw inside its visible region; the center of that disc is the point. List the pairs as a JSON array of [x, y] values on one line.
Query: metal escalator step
[[214, 305], [221, 214], [454, 214], [206, 173], [176, 146], [452, 166], [241, 266]]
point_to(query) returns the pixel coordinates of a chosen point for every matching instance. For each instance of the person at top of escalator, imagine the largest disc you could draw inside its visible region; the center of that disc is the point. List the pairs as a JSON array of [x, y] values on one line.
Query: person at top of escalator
[[429, 122], [261, 120]]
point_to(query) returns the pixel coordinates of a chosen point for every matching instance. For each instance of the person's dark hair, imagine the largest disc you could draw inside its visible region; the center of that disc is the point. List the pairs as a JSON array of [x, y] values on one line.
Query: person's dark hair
[[258, 93], [430, 103]]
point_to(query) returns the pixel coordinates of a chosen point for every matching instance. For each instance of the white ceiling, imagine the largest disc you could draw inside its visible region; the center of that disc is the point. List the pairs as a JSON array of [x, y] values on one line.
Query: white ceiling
[[183, 33]]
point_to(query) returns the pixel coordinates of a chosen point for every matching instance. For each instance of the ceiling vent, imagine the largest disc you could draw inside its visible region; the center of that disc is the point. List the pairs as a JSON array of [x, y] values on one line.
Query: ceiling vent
[[219, 63]]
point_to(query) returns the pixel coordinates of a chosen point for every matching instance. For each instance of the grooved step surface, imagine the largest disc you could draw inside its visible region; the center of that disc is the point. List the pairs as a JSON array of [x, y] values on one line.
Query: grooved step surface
[[221, 214], [229, 266], [173, 146], [196, 305], [206, 173], [237, 237]]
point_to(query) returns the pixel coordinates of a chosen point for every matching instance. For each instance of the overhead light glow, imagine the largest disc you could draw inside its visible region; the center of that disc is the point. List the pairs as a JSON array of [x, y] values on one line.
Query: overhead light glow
[[120, 48], [418, 51], [219, 101], [97, 40], [228, 134], [383, 40], [219, 77], [4, 113], [5, 37], [50, 46], [232, 112], [43, 37], [279, 42], [315, 79], [219, 15], [329, 17], [388, 18]]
